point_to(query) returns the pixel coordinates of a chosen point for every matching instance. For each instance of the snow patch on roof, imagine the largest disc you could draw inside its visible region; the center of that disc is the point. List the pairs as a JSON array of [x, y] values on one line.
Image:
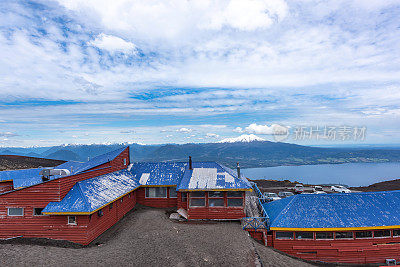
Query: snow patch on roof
[[144, 178]]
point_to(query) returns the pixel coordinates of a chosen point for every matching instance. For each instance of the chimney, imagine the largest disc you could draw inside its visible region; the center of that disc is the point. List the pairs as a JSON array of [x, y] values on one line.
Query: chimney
[[190, 163], [238, 169]]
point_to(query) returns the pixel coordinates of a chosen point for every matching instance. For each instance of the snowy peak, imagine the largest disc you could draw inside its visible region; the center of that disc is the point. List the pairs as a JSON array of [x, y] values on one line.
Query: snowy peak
[[245, 138]]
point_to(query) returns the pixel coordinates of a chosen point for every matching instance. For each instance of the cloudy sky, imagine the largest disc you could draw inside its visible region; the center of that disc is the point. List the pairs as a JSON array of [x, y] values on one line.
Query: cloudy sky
[[95, 71]]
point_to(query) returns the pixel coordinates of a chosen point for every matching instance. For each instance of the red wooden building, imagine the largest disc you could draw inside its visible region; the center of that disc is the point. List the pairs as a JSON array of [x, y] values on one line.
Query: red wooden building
[[355, 228], [98, 193]]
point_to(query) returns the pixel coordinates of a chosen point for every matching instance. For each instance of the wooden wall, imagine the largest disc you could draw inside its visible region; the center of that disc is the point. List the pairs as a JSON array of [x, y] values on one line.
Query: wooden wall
[[155, 202], [358, 251], [55, 226]]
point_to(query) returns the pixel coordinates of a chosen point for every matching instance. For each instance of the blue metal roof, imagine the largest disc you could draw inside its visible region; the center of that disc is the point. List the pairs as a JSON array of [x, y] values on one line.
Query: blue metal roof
[[22, 178], [77, 167], [211, 176], [350, 210], [29, 177], [89, 195], [160, 173]]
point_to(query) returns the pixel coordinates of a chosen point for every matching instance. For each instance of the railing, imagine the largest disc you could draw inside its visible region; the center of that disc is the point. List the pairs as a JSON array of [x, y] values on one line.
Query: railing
[[261, 201], [255, 223]]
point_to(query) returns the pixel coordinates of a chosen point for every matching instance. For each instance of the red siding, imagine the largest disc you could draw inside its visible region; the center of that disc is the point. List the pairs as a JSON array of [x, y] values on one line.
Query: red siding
[[99, 225], [155, 202], [214, 213], [358, 251], [6, 186], [56, 227]]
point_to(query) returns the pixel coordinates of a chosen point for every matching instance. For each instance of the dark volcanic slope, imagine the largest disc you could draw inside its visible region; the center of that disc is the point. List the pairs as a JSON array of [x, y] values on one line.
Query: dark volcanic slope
[[382, 186], [12, 162]]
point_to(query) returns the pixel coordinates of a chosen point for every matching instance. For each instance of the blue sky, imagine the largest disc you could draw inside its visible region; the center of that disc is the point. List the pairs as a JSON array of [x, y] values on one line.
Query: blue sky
[[99, 71]]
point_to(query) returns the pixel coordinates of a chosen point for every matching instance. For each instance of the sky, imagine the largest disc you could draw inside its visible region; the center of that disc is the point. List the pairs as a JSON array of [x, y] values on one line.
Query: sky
[[99, 71]]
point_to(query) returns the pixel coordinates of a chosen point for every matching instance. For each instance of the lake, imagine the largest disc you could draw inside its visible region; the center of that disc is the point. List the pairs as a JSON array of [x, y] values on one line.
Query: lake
[[351, 174]]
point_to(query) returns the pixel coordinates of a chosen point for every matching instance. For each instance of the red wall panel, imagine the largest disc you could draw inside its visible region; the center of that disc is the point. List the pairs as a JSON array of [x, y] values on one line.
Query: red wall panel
[[155, 202]]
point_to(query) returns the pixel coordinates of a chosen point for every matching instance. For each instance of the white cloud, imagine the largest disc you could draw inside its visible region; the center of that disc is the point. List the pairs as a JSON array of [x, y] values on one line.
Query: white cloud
[[112, 43], [274, 129], [184, 130], [238, 130], [212, 135]]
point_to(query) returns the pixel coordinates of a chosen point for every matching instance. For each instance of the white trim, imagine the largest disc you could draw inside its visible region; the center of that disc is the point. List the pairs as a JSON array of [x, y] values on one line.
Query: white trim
[[8, 212], [75, 223]]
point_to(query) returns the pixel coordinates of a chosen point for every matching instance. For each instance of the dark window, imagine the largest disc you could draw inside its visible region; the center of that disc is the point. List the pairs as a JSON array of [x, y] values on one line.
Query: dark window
[[15, 212], [184, 197], [100, 213], [304, 235], [72, 220], [198, 194], [323, 235], [235, 202], [216, 202], [156, 192], [38, 211], [364, 234], [172, 192], [340, 235], [215, 194], [111, 206], [197, 202], [382, 233], [234, 194], [396, 232], [284, 235]]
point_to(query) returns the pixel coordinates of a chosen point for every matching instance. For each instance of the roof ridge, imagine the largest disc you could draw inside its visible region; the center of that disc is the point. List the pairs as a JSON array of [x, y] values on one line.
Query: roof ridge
[[284, 209], [88, 206]]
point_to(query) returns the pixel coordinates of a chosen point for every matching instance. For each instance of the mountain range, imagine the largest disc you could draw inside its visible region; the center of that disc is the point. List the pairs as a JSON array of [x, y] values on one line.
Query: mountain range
[[249, 151]]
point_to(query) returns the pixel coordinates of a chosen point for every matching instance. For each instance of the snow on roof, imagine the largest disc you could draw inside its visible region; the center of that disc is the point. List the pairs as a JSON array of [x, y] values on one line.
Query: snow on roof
[[335, 210], [90, 195], [212, 176], [160, 173]]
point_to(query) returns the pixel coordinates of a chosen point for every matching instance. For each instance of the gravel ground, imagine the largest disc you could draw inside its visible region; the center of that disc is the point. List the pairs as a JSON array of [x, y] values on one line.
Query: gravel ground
[[146, 237]]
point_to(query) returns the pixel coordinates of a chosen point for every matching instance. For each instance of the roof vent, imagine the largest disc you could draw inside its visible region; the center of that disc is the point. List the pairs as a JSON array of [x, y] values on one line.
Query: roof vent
[[46, 173], [190, 163], [238, 169]]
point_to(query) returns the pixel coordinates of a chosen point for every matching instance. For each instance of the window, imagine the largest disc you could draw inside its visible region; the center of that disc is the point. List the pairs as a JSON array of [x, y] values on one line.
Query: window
[[216, 194], [125, 161], [100, 213], [304, 235], [364, 234], [198, 194], [235, 194], [38, 211], [122, 199], [72, 220], [323, 235], [216, 199], [341, 235], [235, 202], [284, 235], [111, 206], [184, 197], [396, 232], [197, 202], [156, 192], [198, 199], [216, 202], [172, 192], [382, 233], [15, 212]]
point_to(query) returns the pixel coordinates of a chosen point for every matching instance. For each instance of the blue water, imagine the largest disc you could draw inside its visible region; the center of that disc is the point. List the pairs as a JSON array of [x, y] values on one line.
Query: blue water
[[351, 174]]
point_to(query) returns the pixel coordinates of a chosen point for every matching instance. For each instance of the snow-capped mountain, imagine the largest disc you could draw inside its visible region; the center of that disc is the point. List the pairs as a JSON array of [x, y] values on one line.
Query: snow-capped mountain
[[245, 138]]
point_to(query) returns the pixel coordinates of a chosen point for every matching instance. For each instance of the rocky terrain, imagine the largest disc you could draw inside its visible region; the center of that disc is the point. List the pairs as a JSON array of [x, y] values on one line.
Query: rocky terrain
[[12, 162]]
